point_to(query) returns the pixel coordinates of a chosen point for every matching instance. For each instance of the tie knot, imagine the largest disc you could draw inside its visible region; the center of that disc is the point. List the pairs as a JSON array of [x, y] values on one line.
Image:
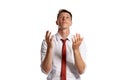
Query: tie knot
[[63, 40]]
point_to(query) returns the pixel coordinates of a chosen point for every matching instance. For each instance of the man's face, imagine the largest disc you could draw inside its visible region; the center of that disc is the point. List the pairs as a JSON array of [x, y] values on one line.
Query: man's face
[[64, 20]]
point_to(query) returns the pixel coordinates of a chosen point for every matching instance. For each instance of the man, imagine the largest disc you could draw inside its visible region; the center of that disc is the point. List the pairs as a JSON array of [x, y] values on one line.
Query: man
[[61, 53]]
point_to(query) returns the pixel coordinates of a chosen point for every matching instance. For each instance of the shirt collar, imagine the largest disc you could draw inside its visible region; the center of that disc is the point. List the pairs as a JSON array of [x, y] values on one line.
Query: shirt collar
[[58, 36]]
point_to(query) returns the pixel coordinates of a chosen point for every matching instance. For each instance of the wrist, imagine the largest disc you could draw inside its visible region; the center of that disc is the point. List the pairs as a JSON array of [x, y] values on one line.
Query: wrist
[[49, 47], [75, 49], [49, 51]]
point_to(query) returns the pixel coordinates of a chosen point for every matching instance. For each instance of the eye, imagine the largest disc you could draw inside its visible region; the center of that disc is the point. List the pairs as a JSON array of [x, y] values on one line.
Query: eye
[[60, 17], [67, 17]]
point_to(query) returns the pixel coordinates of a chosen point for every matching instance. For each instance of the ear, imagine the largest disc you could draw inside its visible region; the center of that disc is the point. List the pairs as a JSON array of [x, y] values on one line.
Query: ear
[[56, 23]]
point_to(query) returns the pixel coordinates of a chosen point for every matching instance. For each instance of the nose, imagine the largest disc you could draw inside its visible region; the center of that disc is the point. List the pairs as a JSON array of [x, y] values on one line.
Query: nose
[[63, 18]]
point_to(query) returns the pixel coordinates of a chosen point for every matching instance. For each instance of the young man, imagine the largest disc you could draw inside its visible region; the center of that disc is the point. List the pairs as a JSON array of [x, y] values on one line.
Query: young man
[[61, 54]]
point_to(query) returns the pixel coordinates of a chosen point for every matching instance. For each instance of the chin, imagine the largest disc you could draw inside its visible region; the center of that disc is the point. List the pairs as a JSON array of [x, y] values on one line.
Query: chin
[[63, 27]]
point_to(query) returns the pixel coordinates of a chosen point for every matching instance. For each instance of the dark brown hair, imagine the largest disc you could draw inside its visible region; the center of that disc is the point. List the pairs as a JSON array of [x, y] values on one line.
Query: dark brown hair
[[64, 10]]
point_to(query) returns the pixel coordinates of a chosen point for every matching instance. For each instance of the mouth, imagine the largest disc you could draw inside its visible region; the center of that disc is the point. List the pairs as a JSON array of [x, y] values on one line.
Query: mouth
[[64, 22]]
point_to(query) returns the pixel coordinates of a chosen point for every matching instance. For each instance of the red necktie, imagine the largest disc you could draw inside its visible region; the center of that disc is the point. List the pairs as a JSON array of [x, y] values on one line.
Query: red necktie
[[63, 65]]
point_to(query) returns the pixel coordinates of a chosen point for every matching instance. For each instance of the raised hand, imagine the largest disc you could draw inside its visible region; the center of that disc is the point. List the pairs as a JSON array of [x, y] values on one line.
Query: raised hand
[[49, 38], [77, 40], [79, 63], [47, 62]]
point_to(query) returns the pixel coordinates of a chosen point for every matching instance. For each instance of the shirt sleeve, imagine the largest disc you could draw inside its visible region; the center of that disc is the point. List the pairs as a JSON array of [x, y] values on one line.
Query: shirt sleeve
[[43, 52]]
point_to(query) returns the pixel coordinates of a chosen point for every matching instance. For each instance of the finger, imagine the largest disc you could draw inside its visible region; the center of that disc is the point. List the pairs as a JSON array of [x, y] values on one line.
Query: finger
[[75, 39], [77, 36], [49, 35], [46, 34], [51, 38], [81, 39]]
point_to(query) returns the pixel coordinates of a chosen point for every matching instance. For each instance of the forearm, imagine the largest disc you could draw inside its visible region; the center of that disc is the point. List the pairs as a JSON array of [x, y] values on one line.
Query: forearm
[[47, 62], [79, 63]]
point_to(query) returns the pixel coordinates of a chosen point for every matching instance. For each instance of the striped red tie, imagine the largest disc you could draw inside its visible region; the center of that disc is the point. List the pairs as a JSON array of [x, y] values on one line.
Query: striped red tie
[[63, 66]]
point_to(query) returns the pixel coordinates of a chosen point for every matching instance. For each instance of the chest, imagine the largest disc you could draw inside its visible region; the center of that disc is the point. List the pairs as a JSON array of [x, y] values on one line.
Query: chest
[[57, 51]]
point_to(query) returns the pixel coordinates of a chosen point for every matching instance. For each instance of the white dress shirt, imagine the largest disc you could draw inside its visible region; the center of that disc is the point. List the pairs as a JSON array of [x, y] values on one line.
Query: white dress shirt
[[72, 72]]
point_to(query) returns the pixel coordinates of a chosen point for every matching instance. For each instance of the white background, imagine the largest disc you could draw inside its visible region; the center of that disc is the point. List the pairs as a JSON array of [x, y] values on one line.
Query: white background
[[23, 24]]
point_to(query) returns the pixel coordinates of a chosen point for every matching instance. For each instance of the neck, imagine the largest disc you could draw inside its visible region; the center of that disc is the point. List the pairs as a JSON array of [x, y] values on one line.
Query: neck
[[64, 32]]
